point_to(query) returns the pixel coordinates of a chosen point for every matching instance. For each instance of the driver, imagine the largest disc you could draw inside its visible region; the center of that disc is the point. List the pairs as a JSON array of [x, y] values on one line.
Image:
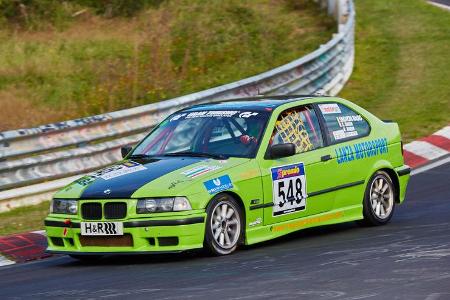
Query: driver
[[254, 128]]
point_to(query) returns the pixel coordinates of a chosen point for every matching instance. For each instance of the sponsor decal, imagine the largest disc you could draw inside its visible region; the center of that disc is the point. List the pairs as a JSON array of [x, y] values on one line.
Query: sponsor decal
[[86, 180], [353, 118], [256, 222], [361, 150], [310, 221], [111, 172], [200, 170], [211, 113], [250, 173], [118, 170], [177, 117], [347, 127], [342, 134], [219, 184], [247, 114], [101, 228], [289, 189], [173, 184], [329, 108]]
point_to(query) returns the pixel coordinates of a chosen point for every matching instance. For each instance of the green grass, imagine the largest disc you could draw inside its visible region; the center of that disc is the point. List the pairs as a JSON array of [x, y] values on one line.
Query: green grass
[[402, 68], [23, 219], [95, 64]]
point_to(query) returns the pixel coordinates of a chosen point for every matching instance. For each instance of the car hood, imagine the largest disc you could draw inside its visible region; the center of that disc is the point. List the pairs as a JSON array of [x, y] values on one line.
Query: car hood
[[162, 176]]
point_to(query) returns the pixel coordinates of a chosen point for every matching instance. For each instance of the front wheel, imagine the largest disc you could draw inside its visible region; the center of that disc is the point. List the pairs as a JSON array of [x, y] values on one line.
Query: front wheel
[[224, 225], [379, 204]]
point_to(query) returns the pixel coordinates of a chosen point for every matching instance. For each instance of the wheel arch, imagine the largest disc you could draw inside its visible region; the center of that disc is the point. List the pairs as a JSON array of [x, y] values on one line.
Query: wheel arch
[[241, 206], [393, 175], [239, 201], [235, 197]]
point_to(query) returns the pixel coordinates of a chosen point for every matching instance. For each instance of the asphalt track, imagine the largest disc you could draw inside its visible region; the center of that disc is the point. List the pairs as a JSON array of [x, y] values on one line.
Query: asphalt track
[[407, 259]]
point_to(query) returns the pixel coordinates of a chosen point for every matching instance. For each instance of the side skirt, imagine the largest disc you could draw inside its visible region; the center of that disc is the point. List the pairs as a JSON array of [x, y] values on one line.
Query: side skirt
[[263, 233]]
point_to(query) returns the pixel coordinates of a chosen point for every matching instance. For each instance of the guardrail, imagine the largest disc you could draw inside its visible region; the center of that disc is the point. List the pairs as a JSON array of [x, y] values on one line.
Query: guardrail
[[35, 162]]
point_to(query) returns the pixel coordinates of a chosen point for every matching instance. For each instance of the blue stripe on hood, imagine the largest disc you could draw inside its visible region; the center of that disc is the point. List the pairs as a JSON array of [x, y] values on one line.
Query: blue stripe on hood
[[125, 185]]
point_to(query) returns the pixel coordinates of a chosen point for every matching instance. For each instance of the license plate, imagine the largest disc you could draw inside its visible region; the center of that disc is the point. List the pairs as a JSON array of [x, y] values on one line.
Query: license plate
[[101, 228]]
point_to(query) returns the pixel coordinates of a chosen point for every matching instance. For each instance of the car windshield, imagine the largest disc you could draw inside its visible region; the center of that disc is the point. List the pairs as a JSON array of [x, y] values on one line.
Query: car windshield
[[209, 133]]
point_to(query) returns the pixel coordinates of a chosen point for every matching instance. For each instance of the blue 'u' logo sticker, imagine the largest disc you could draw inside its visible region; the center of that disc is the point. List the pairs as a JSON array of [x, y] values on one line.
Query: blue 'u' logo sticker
[[219, 184]]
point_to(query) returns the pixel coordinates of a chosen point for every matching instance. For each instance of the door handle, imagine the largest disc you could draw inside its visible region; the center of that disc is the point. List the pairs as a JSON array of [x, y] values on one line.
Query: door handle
[[325, 157]]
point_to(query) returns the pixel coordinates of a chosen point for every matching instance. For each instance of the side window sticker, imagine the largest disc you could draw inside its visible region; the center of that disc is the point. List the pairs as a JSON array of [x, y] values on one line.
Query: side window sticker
[[343, 123], [329, 108]]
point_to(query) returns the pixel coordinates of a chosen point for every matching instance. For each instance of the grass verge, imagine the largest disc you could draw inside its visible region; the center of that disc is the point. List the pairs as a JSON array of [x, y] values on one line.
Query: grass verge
[[402, 66], [23, 219], [95, 64]]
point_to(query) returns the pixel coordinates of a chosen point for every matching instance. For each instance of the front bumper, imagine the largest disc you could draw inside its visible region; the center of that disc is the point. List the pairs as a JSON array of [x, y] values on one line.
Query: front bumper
[[144, 235]]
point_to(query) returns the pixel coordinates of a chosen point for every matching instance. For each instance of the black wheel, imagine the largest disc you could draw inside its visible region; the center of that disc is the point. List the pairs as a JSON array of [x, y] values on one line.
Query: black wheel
[[86, 258], [379, 203], [224, 225]]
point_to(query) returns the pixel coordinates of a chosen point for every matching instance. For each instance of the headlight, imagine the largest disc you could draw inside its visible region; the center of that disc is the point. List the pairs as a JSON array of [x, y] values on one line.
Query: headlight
[[62, 206], [152, 205]]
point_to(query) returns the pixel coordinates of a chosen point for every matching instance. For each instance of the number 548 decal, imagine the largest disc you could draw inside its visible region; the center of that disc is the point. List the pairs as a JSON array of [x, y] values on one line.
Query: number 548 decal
[[289, 189]]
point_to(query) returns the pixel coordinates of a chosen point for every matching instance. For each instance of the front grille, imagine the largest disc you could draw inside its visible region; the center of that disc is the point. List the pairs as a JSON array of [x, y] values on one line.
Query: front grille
[[125, 240], [91, 211], [115, 210]]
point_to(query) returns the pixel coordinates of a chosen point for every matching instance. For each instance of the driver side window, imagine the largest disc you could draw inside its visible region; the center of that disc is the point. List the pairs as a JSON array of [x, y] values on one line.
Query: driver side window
[[300, 127]]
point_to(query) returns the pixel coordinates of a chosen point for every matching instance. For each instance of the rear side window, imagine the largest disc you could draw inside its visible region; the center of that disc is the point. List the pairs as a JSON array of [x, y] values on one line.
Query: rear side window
[[299, 126], [343, 123]]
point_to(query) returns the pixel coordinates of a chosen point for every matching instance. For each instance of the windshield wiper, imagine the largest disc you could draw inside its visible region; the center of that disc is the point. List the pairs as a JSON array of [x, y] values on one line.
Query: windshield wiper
[[197, 154]]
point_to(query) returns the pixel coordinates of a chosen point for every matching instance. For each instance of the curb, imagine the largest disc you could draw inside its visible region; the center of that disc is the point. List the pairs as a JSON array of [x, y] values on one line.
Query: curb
[[22, 247], [428, 149], [28, 246]]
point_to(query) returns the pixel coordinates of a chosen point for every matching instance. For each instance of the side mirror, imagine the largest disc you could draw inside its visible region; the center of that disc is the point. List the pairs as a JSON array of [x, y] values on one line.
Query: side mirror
[[282, 150], [125, 150]]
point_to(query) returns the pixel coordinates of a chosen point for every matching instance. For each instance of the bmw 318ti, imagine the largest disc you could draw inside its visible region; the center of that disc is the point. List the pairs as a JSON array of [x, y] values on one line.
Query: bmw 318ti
[[221, 175]]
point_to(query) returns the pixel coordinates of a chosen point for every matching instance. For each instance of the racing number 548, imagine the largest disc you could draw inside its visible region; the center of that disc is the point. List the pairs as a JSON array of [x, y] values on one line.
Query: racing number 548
[[289, 196]]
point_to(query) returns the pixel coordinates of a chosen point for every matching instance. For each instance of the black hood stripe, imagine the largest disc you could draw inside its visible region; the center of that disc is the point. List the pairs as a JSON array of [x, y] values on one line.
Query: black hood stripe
[[125, 185]]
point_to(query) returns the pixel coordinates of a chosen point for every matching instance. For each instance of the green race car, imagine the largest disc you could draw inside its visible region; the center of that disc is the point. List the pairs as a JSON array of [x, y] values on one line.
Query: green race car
[[238, 172]]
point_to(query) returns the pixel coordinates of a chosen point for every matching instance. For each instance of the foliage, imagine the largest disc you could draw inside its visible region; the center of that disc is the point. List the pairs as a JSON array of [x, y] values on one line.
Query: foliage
[[97, 64], [402, 67]]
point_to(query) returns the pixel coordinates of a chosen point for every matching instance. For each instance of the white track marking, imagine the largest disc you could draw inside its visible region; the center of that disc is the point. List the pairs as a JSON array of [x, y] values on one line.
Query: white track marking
[[445, 132], [430, 166], [440, 5], [425, 149], [5, 262]]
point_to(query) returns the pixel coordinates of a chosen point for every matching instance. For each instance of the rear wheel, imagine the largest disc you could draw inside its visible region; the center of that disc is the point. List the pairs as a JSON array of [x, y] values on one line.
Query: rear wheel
[[224, 225], [379, 204]]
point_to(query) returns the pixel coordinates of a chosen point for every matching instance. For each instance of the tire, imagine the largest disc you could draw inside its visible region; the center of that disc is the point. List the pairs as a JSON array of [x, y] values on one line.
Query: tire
[[224, 225], [86, 258], [379, 200]]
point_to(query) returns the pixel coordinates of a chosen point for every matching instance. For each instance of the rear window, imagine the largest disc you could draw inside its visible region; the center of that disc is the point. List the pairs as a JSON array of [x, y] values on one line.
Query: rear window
[[343, 123]]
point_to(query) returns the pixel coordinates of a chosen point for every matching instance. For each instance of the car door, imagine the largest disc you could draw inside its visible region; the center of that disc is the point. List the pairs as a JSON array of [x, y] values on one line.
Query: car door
[[291, 184], [347, 133]]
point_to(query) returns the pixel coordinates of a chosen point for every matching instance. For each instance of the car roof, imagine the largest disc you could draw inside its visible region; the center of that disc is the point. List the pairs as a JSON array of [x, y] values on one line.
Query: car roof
[[259, 103]]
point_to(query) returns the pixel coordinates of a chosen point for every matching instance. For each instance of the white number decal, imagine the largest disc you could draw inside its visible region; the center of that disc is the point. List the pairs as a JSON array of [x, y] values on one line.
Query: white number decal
[[289, 189]]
